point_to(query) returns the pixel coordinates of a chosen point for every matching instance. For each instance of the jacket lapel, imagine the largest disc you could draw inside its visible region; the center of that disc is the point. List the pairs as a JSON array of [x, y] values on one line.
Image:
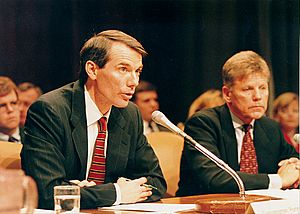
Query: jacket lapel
[[78, 121], [229, 138], [117, 145]]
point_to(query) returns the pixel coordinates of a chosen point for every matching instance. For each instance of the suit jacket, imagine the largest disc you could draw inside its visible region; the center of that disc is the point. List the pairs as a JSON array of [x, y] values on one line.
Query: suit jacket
[[55, 148], [213, 129]]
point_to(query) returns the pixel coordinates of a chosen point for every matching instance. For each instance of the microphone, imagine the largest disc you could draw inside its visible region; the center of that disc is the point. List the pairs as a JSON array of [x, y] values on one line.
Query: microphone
[[161, 119], [296, 138]]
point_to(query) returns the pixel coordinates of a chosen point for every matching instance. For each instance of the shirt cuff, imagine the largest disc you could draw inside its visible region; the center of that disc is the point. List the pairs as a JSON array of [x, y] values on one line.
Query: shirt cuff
[[275, 181], [118, 193]]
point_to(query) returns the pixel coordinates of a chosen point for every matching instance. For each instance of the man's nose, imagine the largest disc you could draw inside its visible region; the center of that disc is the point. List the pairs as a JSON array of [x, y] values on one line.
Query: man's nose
[[257, 94], [134, 79]]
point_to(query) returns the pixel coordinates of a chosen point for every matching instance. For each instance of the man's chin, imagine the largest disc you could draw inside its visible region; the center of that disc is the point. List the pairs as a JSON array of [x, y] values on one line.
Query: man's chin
[[123, 104], [257, 115]]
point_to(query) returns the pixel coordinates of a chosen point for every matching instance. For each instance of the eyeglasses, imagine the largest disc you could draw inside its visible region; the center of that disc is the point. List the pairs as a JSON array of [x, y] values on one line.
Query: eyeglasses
[[10, 105]]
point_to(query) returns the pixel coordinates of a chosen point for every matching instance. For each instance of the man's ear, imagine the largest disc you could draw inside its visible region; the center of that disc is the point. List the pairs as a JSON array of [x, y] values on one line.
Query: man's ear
[[226, 93], [91, 69]]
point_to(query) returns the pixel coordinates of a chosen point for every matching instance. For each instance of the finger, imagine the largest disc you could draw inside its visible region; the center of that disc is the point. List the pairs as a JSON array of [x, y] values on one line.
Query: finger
[[293, 160], [142, 199], [74, 182], [91, 183], [141, 180], [281, 163]]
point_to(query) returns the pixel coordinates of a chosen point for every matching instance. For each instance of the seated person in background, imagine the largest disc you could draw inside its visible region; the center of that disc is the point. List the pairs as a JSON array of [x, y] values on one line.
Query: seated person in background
[[208, 99], [28, 93], [9, 111], [88, 132], [146, 98], [228, 130], [286, 113]]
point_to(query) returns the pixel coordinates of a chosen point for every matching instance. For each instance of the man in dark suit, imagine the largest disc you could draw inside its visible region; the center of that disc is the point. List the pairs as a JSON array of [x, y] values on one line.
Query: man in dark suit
[[272, 163], [9, 112], [64, 126], [146, 98]]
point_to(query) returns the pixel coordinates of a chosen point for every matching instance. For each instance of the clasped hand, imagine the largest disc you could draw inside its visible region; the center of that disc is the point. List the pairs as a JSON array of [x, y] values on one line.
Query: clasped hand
[[133, 191], [289, 173]]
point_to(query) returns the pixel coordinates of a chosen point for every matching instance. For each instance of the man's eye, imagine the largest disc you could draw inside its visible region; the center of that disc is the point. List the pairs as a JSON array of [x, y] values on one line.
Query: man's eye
[[123, 69]]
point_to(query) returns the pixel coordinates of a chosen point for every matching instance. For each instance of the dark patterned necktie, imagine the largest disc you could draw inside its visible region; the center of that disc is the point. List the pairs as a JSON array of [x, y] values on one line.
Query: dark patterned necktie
[[248, 162], [97, 169]]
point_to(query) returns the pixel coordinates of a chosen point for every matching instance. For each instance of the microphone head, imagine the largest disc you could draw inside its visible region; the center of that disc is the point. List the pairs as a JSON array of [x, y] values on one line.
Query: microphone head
[[157, 116], [296, 138]]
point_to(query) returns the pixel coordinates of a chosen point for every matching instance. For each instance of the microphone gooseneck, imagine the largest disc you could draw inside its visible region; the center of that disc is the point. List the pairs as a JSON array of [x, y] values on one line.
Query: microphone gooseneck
[[161, 119]]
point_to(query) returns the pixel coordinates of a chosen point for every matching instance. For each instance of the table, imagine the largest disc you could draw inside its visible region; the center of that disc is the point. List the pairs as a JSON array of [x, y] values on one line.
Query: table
[[174, 200]]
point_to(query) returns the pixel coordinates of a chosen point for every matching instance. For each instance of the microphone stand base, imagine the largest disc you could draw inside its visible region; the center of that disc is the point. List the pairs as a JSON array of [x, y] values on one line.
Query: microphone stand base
[[228, 203]]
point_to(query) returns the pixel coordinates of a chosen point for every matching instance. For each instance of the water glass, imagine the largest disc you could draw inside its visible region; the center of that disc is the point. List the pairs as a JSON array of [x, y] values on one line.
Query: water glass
[[67, 199]]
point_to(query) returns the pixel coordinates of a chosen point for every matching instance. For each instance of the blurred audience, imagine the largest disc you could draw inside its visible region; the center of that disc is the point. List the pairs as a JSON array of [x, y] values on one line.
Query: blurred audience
[[28, 93], [286, 112], [146, 98], [209, 99], [9, 111]]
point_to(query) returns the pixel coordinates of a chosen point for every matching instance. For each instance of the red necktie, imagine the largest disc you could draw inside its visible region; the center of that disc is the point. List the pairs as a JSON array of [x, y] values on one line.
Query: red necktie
[[248, 162], [97, 169]]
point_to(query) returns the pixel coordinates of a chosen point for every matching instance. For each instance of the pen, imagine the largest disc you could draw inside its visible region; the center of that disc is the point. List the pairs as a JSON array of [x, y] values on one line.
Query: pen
[[145, 185]]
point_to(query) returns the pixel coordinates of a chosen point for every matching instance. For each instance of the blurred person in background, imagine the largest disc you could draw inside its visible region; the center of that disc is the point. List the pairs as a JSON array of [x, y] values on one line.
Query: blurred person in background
[[28, 93], [9, 111], [286, 113], [146, 98], [207, 99]]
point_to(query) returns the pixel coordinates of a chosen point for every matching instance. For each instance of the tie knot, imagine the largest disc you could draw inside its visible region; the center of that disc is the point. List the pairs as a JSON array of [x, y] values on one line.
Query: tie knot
[[246, 127], [103, 124]]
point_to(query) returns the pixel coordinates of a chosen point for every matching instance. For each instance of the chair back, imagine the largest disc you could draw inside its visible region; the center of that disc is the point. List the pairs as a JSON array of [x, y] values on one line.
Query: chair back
[[10, 155], [168, 149]]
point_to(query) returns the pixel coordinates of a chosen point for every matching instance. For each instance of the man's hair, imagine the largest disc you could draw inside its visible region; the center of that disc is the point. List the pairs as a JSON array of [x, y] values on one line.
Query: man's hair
[[283, 100], [142, 87], [97, 49], [242, 64], [25, 86], [6, 86]]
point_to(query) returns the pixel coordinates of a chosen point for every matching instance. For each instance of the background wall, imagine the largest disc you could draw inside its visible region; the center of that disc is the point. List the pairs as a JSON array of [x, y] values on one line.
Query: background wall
[[188, 41]]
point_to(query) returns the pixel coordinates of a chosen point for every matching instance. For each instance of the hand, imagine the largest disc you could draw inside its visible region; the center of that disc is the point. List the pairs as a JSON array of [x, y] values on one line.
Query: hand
[[289, 174], [294, 160], [133, 191], [83, 183]]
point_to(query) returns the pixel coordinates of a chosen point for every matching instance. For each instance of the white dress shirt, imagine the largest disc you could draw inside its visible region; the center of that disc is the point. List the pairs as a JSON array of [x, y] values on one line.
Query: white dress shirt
[[275, 180], [92, 116], [149, 129], [16, 135]]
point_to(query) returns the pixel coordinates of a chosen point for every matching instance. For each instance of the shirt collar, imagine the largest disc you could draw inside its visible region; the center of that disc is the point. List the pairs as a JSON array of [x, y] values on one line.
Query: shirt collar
[[93, 114], [237, 123], [16, 135]]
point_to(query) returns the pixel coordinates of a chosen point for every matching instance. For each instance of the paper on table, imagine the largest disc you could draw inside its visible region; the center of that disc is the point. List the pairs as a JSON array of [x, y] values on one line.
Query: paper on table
[[289, 203], [276, 206], [152, 207], [289, 194]]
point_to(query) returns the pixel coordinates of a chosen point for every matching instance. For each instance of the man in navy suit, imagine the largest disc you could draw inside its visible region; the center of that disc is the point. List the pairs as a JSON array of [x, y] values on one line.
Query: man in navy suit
[[62, 126], [220, 129]]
